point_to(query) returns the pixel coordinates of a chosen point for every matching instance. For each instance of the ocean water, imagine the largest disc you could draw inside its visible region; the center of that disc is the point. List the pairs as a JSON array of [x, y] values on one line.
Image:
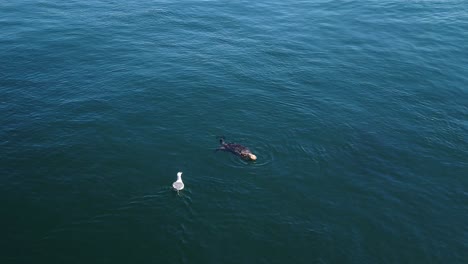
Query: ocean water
[[357, 111]]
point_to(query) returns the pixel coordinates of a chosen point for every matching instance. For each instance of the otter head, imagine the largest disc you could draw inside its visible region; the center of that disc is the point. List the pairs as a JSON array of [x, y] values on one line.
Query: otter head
[[246, 154]]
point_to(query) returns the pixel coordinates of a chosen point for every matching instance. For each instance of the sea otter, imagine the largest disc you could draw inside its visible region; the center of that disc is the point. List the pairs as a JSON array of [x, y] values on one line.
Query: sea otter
[[237, 149]]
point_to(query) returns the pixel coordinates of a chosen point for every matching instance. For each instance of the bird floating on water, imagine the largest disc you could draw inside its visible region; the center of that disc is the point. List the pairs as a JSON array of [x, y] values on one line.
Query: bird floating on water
[[179, 184]]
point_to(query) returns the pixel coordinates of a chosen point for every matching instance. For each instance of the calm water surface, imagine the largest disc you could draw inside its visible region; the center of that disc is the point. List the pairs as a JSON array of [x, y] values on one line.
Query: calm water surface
[[357, 111]]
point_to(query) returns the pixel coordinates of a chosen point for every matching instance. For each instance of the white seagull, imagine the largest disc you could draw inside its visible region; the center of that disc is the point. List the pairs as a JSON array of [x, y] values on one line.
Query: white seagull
[[179, 184]]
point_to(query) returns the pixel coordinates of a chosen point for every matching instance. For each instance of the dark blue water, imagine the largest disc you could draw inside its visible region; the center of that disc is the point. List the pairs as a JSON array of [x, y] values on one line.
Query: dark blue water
[[356, 110]]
